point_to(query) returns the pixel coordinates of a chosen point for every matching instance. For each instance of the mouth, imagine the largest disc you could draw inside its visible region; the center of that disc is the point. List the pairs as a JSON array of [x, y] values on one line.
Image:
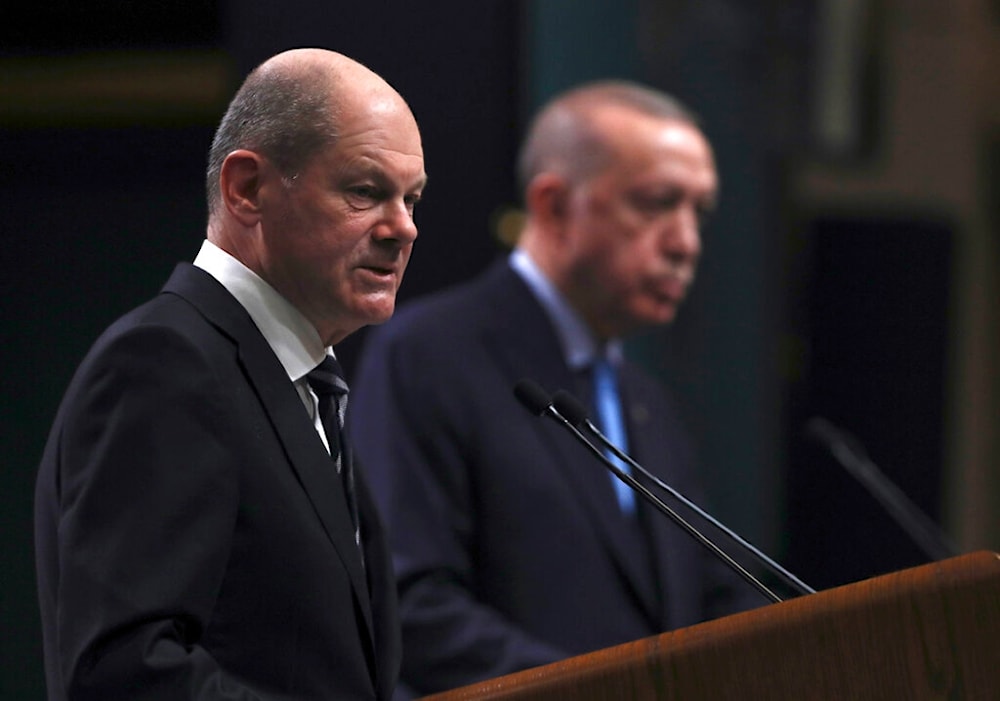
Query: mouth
[[670, 289], [379, 273]]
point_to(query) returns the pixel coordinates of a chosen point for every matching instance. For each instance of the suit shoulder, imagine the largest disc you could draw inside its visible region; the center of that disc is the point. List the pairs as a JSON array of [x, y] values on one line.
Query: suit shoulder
[[163, 316], [451, 311]]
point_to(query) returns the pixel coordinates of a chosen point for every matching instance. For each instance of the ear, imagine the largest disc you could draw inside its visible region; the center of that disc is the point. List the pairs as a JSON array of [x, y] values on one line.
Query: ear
[[240, 183], [547, 200]]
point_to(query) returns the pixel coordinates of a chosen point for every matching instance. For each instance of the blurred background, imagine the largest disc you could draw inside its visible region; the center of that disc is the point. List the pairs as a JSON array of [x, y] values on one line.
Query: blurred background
[[851, 272]]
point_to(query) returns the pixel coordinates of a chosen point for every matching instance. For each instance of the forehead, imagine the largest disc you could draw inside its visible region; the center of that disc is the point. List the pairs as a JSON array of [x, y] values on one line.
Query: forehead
[[645, 146], [383, 114], [379, 135]]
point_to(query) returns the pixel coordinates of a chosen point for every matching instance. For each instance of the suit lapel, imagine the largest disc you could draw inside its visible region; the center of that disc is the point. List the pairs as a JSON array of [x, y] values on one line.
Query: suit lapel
[[308, 459], [526, 345], [383, 587], [306, 454], [664, 536]]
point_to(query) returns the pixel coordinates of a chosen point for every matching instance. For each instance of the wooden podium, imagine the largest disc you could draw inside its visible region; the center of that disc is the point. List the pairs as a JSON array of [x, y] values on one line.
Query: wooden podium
[[931, 632]]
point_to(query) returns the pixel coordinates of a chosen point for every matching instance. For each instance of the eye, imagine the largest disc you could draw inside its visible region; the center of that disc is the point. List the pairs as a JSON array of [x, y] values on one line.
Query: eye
[[363, 196], [705, 212], [412, 201], [653, 204]]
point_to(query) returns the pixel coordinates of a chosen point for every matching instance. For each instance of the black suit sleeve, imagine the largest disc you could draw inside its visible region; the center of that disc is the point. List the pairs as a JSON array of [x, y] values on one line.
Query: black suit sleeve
[[144, 498]]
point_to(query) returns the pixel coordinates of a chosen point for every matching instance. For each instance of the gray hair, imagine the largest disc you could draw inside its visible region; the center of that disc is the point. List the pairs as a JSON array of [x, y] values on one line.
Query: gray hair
[[285, 115], [563, 136]]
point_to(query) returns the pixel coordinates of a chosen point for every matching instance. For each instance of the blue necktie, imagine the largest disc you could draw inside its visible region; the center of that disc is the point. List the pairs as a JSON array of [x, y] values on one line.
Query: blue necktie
[[612, 424]]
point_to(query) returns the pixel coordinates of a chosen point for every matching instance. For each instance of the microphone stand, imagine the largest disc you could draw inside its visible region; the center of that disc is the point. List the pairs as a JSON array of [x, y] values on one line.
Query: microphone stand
[[848, 452], [573, 411], [535, 400]]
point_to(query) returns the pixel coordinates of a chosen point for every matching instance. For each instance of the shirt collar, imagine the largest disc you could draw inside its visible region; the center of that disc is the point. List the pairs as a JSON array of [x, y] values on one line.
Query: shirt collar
[[579, 346], [291, 336]]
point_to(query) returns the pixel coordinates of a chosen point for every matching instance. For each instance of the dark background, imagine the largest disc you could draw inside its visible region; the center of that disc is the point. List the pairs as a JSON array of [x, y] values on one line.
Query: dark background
[[798, 311]]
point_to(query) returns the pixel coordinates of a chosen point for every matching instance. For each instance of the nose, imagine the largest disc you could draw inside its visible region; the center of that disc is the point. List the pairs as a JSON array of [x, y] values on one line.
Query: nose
[[398, 223], [682, 238]]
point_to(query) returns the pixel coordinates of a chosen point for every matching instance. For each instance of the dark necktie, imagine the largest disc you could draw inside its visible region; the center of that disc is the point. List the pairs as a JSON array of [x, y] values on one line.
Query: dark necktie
[[612, 424], [327, 381]]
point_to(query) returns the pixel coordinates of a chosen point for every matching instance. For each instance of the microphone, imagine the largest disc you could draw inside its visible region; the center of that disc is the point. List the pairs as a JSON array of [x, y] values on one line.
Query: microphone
[[851, 455], [534, 398], [574, 412], [537, 401]]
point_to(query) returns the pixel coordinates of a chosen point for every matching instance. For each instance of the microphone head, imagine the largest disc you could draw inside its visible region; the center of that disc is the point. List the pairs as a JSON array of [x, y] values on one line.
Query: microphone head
[[532, 396], [830, 436], [570, 407], [820, 430]]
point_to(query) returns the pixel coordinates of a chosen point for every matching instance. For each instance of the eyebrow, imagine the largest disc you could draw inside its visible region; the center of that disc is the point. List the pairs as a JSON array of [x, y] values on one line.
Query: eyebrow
[[711, 202], [377, 173]]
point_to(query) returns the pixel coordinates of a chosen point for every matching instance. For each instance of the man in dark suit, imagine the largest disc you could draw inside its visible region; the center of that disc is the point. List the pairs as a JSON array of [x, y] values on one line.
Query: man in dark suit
[[510, 546], [201, 529]]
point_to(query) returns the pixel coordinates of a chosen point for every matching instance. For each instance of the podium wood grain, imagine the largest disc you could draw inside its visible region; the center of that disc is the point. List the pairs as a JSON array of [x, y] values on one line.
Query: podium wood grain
[[930, 632]]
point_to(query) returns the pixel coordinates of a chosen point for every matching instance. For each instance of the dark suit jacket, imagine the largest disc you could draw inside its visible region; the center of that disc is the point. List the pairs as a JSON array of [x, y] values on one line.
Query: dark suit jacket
[[192, 538], [510, 550]]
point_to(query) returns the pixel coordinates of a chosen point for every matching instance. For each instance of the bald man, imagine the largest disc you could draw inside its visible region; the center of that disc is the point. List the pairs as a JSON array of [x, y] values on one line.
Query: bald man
[[511, 546], [202, 530]]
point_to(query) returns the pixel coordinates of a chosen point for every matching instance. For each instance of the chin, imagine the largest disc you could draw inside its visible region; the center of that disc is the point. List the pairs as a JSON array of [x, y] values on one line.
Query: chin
[[379, 313], [657, 317]]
